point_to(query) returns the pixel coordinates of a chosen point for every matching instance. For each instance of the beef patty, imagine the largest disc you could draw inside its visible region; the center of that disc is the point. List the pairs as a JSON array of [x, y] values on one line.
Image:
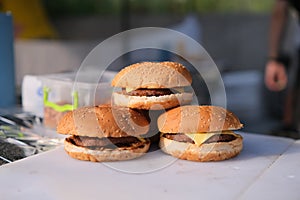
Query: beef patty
[[180, 137], [148, 92], [110, 142]]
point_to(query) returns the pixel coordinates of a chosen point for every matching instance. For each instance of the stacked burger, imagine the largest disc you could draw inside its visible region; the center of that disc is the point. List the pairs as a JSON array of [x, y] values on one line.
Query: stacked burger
[[120, 131]]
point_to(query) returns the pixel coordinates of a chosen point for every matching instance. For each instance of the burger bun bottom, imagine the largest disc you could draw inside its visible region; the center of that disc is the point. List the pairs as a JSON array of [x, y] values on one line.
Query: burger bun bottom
[[152, 102], [105, 155]]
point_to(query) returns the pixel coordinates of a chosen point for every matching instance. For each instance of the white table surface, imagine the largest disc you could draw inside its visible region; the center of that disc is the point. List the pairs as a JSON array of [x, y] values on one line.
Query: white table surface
[[267, 168]]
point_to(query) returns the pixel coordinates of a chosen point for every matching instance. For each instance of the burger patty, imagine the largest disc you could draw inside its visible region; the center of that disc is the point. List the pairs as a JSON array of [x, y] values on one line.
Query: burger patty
[[109, 142], [180, 137], [148, 92], [220, 138]]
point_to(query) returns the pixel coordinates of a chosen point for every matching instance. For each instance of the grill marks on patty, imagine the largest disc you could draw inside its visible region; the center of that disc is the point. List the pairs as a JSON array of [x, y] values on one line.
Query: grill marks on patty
[[180, 137], [110, 142], [147, 92]]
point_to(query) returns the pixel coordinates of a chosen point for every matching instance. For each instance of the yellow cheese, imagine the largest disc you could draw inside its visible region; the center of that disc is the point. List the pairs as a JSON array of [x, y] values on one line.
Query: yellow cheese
[[200, 138], [129, 89], [179, 89], [141, 139]]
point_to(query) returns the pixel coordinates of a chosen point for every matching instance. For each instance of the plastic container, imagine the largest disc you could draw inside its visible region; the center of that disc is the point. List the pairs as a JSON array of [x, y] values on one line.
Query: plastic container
[[63, 93]]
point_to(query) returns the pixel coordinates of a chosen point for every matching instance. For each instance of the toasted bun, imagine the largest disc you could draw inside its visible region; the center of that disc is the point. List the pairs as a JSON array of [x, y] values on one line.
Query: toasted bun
[[205, 152], [197, 119], [105, 155], [103, 121], [153, 75], [152, 102]]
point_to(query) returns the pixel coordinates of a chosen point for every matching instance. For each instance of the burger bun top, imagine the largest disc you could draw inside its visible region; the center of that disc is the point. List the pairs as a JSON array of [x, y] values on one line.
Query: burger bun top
[[103, 121], [153, 75], [198, 119]]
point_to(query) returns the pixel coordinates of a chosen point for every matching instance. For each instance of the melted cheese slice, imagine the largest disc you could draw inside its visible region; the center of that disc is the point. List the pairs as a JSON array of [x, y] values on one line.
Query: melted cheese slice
[[129, 89], [141, 139], [179, 89], [200, 138]]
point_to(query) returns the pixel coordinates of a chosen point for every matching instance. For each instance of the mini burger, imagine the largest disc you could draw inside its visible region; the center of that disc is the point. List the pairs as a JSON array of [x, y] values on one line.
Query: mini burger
[[200, 133], [152, 86], [104, 133]]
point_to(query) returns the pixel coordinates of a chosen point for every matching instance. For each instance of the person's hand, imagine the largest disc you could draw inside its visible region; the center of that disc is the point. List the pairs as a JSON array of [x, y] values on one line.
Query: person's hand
[[275, 76]]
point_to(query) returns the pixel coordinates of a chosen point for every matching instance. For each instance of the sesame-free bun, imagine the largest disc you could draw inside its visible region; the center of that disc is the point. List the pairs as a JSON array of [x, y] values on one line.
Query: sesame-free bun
[[103, 121], [197, 119], [106, 155], [152, 102], [153, 75], [205, 152]]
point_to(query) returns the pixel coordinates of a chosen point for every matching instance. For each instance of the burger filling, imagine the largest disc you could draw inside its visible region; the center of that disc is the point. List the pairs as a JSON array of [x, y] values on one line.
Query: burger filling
[[151, 92], [147, 92], [108, 143], [202, 138]]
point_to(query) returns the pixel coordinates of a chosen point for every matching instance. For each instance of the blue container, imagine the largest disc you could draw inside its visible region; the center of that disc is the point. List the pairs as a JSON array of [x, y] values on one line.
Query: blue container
[[7, 68]]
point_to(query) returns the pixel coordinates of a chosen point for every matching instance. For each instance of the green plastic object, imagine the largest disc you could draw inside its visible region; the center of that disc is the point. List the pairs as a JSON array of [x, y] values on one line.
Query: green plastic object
[[60, 108]]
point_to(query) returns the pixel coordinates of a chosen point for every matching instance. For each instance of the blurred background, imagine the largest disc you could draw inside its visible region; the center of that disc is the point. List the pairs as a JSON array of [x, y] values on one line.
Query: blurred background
[[54, 36]]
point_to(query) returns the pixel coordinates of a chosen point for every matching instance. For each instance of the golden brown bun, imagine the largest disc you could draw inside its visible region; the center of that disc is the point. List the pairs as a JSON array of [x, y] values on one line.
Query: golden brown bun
[[103, 121], [197, 119], [152, 102], [105, 155], [205, 152], [153, 75]]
